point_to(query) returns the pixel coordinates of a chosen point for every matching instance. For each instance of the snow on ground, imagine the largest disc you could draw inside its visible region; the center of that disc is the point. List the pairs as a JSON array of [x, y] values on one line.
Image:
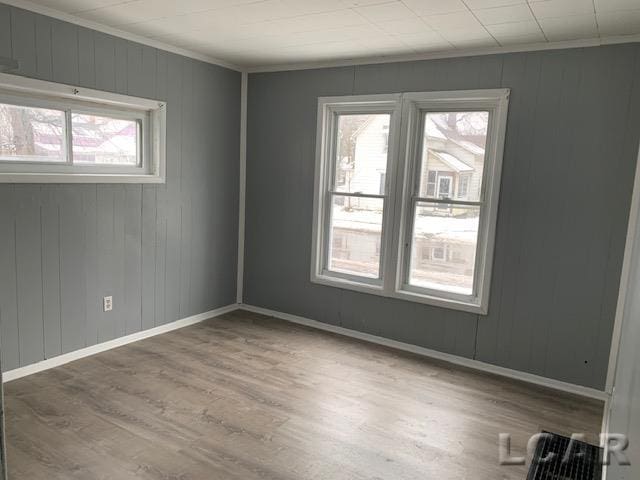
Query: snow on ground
[[462, 229]]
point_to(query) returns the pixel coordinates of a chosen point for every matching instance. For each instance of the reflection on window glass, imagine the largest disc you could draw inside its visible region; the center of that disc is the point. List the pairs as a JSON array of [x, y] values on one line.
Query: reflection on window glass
[[453, 155], [104, 141], [444, 247], [361, 152], [356, 227], [31, 134]]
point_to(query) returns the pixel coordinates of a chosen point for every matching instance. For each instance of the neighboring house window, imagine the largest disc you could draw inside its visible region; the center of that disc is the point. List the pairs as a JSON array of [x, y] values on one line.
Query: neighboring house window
[[438, 253], [339, 245], [463, 186], [444, 186], [426, 236], [385, 138], [438, 184], [56, 133], [341, 177], [432, 179]]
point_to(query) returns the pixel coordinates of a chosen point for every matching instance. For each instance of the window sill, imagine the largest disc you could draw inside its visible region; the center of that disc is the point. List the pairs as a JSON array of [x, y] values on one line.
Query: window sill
[[348, 284], [452, 304], [79, 178]]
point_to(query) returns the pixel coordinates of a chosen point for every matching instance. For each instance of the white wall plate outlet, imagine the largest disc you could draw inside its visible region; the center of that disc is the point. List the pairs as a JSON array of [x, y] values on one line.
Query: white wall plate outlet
[[108, 303]]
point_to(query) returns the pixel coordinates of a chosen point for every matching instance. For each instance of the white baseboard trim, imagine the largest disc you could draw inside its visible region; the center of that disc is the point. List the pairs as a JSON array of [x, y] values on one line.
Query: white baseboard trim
[[118, 342], [426, 352]]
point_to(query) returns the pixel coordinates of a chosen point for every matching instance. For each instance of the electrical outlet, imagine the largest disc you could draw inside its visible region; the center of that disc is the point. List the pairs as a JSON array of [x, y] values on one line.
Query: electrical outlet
[[108, 303]]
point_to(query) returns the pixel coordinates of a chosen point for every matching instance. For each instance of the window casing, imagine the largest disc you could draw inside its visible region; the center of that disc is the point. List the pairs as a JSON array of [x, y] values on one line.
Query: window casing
[[435, 220], [339, 199], [52, 133]]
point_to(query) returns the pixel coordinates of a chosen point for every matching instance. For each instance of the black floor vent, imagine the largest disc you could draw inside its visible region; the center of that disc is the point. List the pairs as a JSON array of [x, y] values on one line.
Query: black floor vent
[[560, 458]]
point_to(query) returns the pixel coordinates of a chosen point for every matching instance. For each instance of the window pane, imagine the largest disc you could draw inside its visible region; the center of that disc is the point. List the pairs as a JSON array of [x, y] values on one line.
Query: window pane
[[104, 141], [361, 153], [443, 249], [356, 226], [30, 134], [453, 155]]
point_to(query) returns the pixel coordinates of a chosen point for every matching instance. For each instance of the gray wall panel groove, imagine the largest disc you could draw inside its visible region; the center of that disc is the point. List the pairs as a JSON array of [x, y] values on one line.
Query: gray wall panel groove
[[64, 247]]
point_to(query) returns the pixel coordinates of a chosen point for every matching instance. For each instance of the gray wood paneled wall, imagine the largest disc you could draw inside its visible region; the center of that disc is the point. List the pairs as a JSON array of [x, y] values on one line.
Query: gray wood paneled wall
[[164, 252], [570, 154]]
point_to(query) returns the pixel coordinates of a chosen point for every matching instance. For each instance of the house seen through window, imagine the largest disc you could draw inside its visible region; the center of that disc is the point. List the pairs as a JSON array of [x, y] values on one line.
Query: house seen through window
[[358, 206], [442, 250], [39, 135], [454, 150]]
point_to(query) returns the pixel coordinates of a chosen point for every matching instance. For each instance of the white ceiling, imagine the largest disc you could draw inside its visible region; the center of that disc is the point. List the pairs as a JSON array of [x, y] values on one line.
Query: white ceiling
[[257, 33]]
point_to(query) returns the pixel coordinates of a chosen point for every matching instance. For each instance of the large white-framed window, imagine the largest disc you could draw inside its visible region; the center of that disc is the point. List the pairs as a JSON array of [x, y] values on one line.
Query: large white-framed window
[[428, 236], [53, 133]]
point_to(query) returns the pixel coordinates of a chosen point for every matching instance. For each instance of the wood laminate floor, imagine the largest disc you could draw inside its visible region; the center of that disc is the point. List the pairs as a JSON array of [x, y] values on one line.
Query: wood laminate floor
[[249, 397]]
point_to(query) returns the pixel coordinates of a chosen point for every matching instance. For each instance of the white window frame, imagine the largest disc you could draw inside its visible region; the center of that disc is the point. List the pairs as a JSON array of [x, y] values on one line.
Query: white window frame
[[328, 110], [149, 115], [415, 106], [404, 144]]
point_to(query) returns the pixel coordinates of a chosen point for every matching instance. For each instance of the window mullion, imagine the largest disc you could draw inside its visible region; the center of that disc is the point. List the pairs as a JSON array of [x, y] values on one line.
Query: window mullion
[[68, 137], [408, 241]]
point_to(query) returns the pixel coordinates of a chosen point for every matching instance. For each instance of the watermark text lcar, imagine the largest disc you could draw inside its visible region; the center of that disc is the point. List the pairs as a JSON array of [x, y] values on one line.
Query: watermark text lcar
[[613, 444]]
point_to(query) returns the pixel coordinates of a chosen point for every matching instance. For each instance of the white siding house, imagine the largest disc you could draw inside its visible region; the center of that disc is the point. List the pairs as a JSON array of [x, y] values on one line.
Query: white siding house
[[445, 238]]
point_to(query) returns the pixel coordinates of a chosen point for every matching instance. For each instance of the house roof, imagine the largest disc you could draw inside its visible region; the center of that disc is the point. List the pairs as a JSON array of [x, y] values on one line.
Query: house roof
[[431, 129], [470, 146], [452, 161], [88, 137], [369, 120], [436, 128]]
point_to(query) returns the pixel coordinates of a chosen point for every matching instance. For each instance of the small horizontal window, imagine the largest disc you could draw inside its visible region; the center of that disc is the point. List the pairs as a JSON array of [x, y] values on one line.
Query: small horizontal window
[[56, 133]]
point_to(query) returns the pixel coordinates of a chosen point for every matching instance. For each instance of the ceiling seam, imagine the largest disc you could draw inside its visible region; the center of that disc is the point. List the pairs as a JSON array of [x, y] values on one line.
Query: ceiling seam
[[124, 2], [595, 16], [426, 24], [480, 22], [546, 39]]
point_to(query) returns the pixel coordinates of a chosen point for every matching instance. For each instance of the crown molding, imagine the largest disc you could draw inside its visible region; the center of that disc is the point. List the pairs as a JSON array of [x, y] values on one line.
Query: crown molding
[[467, 52], [66, 17], [365, 60]]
